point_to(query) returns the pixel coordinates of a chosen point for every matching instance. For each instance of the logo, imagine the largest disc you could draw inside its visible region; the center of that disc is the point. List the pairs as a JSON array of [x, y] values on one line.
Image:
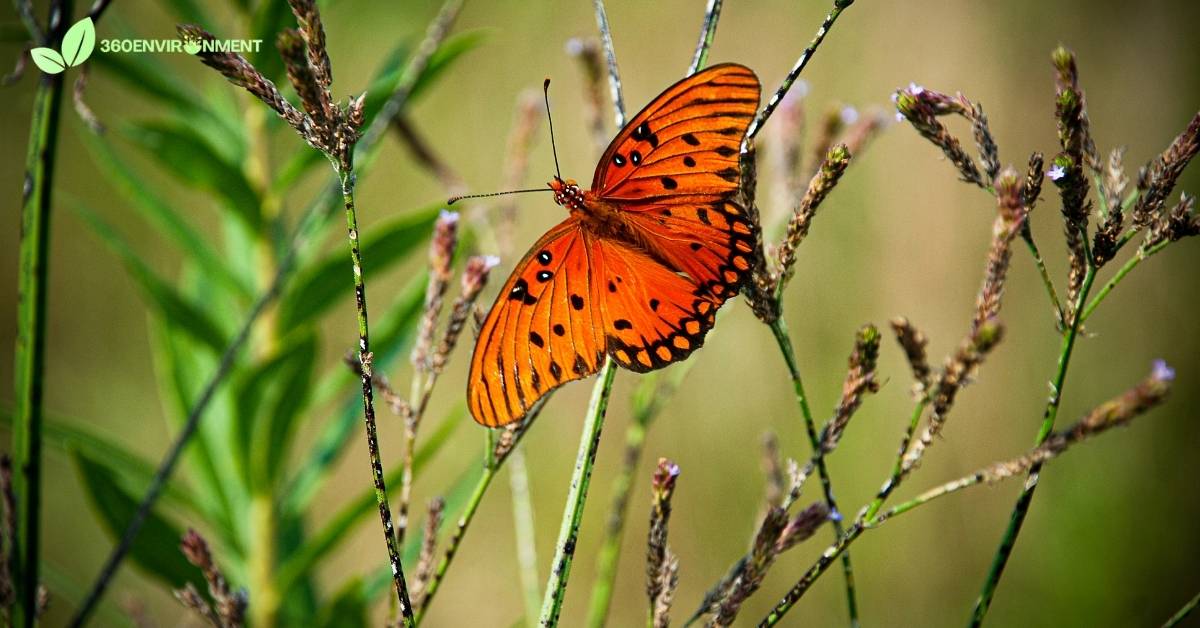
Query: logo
[[77, 46], [191, 46]]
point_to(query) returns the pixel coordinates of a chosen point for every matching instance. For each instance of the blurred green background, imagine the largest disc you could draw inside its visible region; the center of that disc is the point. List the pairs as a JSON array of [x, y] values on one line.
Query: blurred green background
[[1111, 539]]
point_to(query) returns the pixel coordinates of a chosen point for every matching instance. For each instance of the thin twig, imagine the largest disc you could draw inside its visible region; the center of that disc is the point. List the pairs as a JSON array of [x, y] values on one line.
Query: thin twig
[[1183, 612], [610, 57], [794, 73], [568, 534], [712, 14]]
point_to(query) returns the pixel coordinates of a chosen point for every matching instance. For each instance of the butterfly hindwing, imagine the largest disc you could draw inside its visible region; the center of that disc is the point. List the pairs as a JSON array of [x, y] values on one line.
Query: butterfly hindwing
[[652, 316], [543, 330]]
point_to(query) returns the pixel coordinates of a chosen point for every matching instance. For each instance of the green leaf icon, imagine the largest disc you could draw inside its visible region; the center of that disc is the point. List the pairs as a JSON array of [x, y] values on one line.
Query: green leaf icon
[[79, 41], [191, 46], [48, 60]]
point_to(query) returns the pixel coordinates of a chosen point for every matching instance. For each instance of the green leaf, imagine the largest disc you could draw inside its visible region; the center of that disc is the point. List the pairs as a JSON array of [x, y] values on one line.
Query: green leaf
[[191, 159], [189, 12], [143, 74], [270, 18], [156, 549], [453, 48], [392, 334], [347, 608], [268, 400], [79, 41], [335, 532], [318, 287], [48, 60], [161, 214], [167, 301], [134, 471]]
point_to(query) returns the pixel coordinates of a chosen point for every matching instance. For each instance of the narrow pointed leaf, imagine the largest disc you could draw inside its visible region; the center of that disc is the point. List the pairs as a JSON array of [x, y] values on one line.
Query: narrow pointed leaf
[[156, 291], [317, 288], [157, 548]]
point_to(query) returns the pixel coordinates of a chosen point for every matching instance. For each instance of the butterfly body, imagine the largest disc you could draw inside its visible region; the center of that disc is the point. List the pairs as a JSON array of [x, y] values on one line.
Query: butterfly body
[[643, 261]]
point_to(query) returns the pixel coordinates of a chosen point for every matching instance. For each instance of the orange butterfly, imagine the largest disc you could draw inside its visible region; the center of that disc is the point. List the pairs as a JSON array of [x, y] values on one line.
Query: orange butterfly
[[643, 262]]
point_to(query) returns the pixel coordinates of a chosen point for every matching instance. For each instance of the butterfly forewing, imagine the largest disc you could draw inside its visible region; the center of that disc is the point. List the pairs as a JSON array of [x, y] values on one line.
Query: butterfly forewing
[[543, 331], [684, 145]]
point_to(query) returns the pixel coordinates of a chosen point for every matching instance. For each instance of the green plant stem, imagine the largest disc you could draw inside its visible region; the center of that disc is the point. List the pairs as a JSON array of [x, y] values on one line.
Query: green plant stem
[[1027, 235], [893, 480], [784, 341], [262, 556], [1000, 560], [346, 176], [610, 548], [1182, 613], [464, 521], [806, 581], [708, 29], [523, 526], [33, 254], [568, 534], [797, 68], [1117, 278]]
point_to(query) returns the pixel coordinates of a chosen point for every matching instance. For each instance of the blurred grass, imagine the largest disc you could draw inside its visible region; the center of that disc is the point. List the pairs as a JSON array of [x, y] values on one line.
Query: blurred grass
[[1108, 541]]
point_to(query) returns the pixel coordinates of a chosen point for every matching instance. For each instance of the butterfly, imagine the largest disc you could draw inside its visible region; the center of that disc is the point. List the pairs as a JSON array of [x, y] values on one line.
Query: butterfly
[[643, 261]]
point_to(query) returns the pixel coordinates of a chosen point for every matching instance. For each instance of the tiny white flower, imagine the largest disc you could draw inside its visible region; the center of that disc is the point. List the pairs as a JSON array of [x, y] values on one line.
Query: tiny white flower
[[895, 97], [915, 90], [448, 217], [1056, 172], [900, 117], [490, 262], [1163, 372], [849, 115]]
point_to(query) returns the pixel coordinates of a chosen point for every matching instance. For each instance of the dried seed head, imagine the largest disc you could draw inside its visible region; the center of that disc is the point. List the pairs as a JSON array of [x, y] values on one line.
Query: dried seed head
[[1033, 181], [860, 379], [657, 554], [832, 168], [921, 108], [474, 278], [235, 68], [195, 549], [1112, 192], [1158, 178], [802, 526], [913, 342], [441, 255]]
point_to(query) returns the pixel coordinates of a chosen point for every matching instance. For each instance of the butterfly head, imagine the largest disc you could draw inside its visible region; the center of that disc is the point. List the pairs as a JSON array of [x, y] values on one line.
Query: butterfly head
[[567, 193]]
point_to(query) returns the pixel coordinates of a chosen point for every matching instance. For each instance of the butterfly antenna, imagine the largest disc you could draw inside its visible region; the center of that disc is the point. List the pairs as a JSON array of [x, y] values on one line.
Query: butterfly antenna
[[455, 199], [553, 147]]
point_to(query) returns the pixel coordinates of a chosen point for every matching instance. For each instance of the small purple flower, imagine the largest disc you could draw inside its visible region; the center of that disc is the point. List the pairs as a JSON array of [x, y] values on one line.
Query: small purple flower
[[490, 262], [900, 117], [1056, 172], [835, 516], [1162, 372], [915, 90], [448, 217]]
